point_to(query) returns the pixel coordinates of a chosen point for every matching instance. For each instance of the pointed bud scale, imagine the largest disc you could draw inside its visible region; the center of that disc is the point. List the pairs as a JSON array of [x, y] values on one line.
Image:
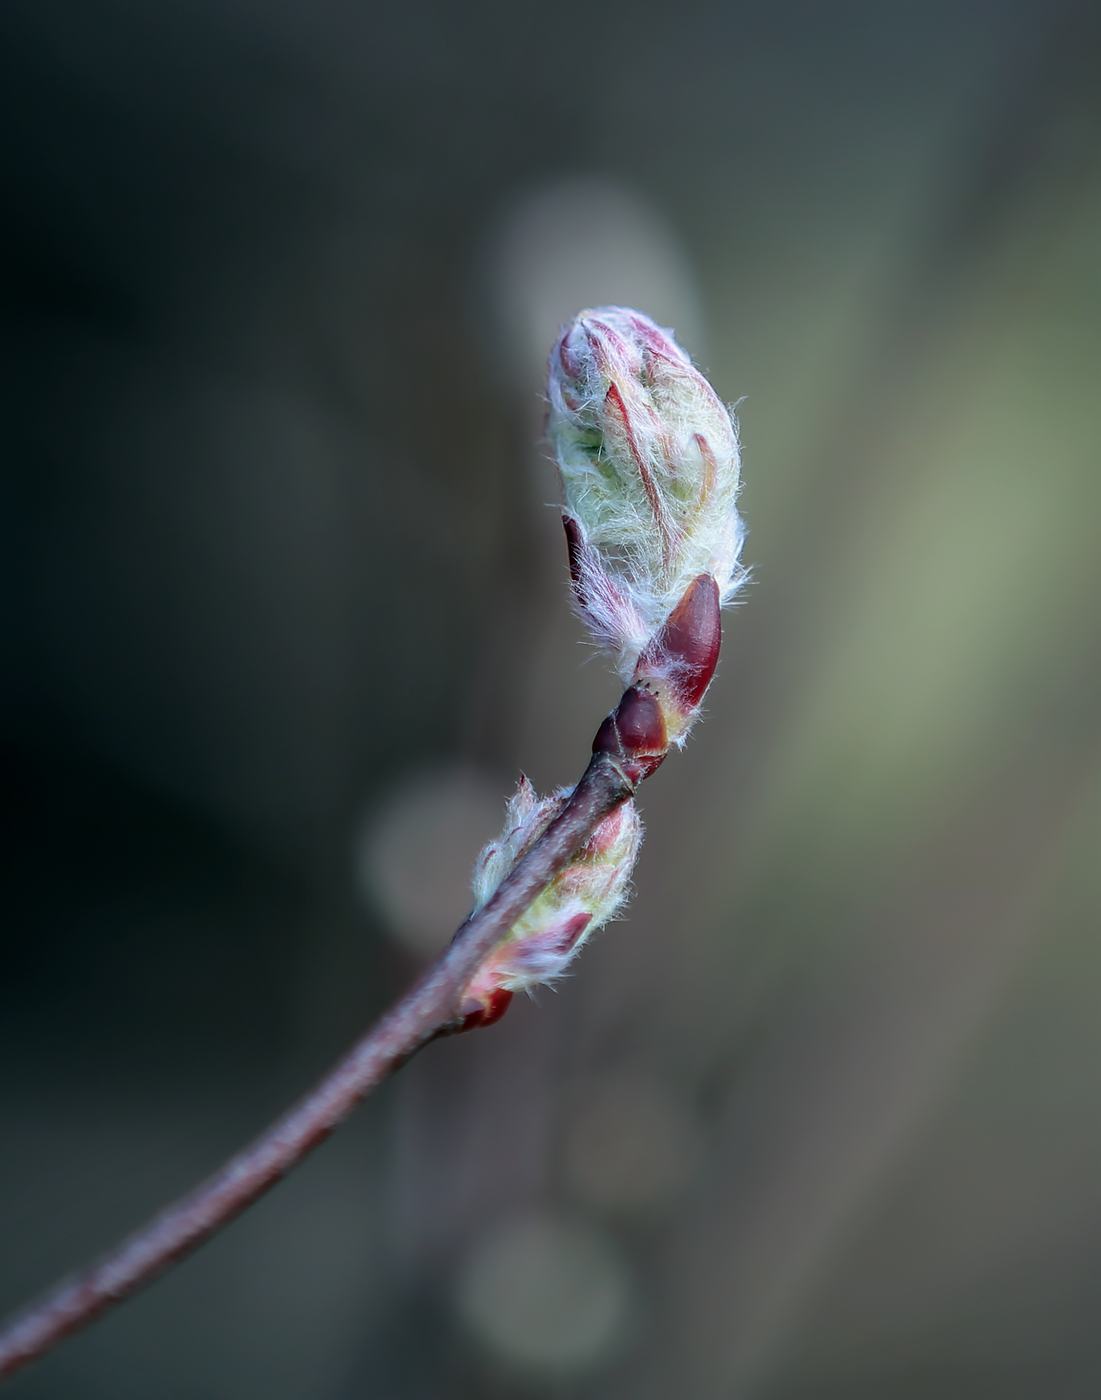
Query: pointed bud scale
[[678, 664], [584, 895], [649, 460], [485, 1010], [635, 734]]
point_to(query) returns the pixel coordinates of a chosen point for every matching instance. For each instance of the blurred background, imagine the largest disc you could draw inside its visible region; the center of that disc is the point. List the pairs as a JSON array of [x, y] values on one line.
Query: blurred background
[[285, 614]]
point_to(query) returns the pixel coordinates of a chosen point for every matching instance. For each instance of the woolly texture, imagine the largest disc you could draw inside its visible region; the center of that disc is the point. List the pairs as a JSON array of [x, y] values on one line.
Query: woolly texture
[[648, 455], [577, 901]]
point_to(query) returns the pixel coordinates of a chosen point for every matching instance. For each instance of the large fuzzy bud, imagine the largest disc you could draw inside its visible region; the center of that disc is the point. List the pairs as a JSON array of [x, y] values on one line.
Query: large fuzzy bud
[[586, 894], [648, 455]]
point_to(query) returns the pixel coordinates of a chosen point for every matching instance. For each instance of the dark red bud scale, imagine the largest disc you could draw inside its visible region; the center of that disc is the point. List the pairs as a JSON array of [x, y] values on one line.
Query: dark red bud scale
[[574, 547], [635, 734], [690, 638], [478, 1012]]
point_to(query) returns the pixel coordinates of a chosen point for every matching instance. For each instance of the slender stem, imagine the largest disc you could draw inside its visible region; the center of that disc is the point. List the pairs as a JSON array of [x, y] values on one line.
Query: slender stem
[[431, 1008]]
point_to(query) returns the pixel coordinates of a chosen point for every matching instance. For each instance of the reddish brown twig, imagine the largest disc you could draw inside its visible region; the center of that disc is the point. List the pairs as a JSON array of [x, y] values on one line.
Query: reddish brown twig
[[433, 1007]]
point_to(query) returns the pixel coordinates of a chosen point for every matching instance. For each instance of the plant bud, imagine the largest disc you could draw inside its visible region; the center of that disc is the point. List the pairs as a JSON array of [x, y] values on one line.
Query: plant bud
[[649, 460], [586, 894]]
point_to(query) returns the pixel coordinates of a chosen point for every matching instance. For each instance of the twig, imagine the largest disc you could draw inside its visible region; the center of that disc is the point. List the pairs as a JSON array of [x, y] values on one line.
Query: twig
[[613, 375], [433, 1007]]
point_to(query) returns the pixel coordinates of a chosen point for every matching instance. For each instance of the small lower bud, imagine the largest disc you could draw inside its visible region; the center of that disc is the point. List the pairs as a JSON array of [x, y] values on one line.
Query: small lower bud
[[584, 894]]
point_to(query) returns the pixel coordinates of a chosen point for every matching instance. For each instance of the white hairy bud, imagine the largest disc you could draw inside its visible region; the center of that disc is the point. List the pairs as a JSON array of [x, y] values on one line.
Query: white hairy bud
[[650, 467]]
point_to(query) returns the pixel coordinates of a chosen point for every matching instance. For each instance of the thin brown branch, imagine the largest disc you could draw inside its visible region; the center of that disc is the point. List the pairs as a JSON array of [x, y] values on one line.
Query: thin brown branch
[[433, 1007]]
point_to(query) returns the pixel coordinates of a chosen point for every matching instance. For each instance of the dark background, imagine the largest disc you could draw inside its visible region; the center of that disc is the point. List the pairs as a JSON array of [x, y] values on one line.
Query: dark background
[[822, 1117]]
